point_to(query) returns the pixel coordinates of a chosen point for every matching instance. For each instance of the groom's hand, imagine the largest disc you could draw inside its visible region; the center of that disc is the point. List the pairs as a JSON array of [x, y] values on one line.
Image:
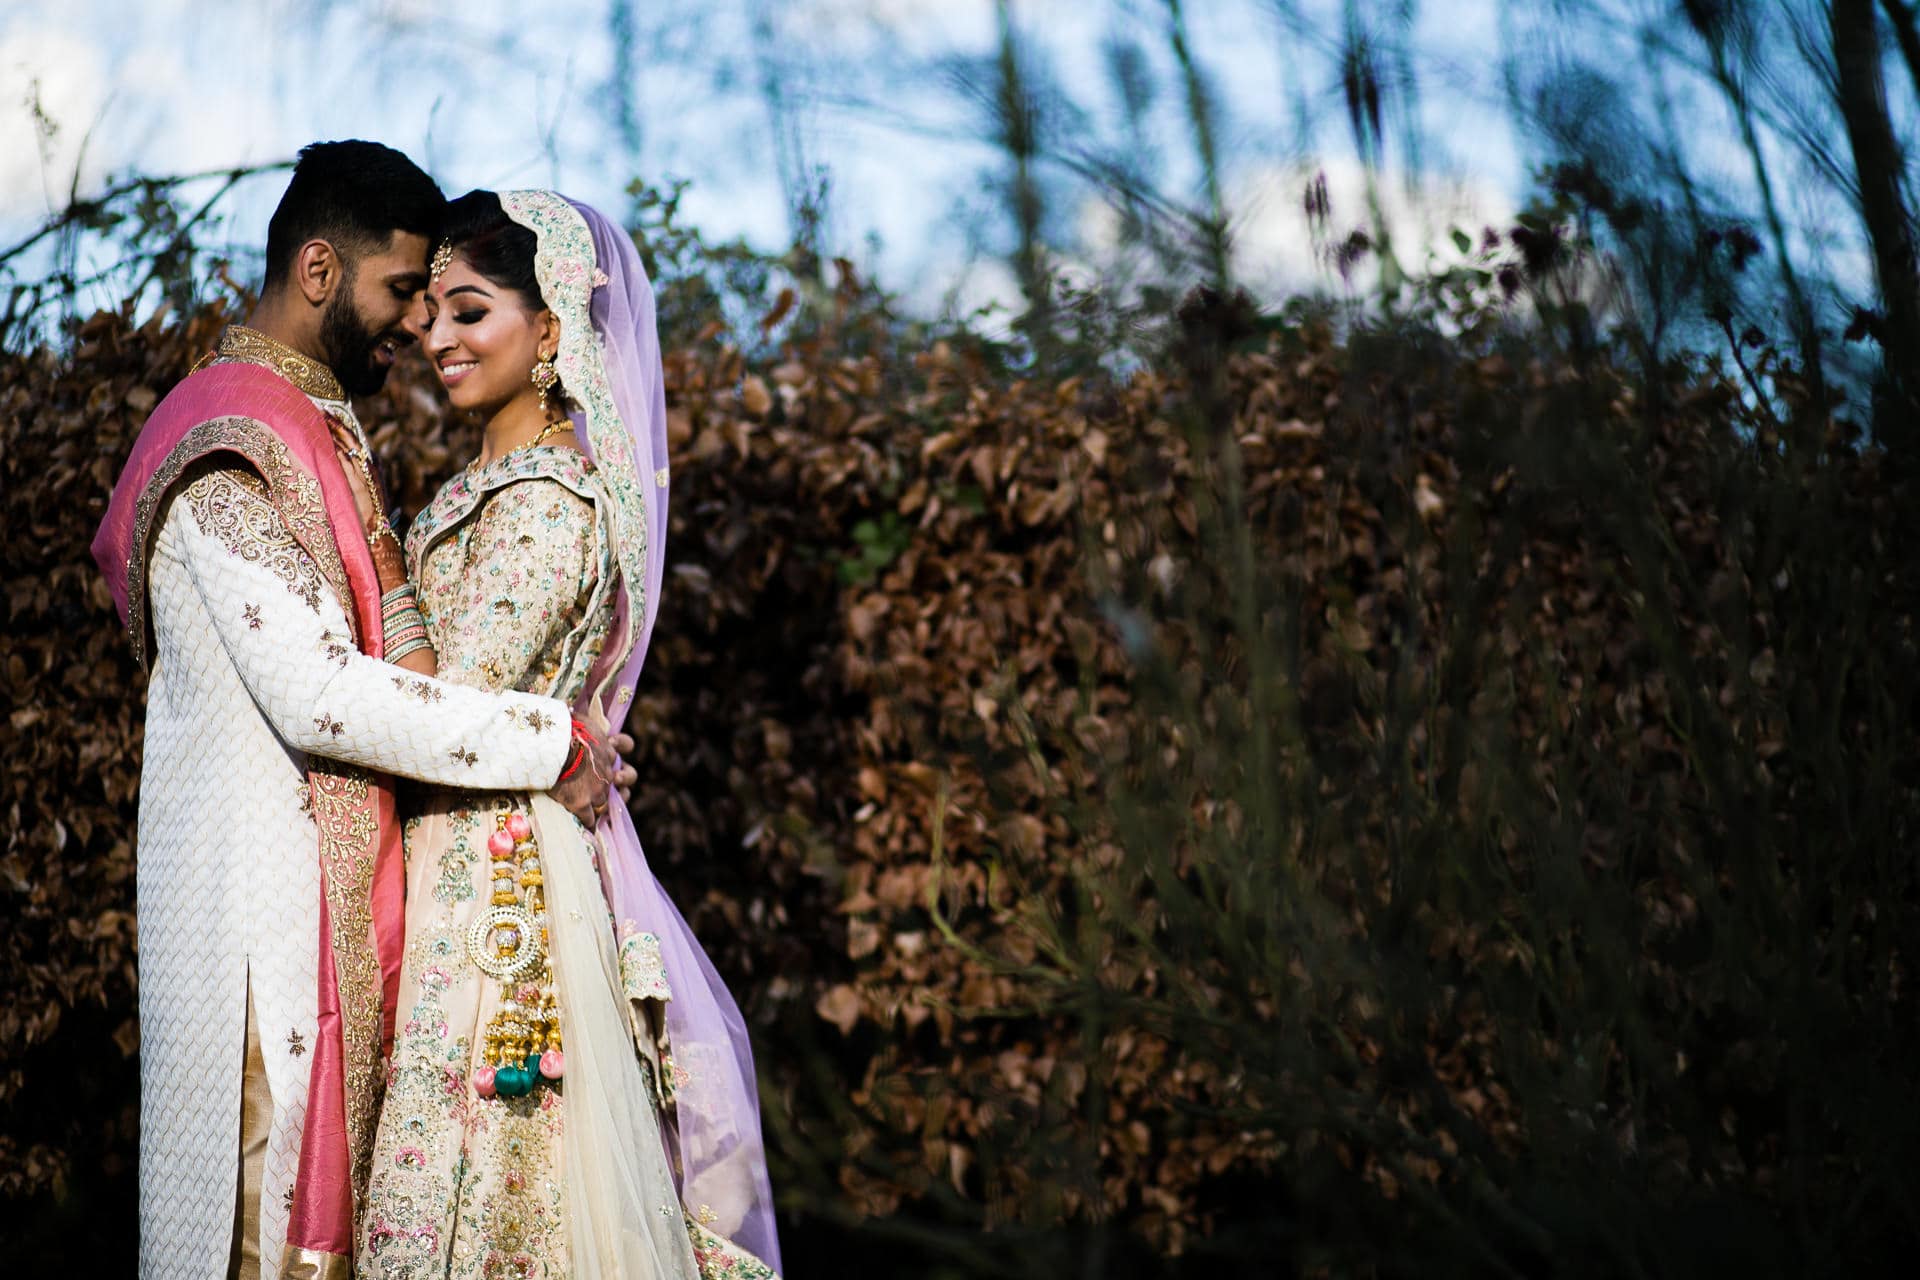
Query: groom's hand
[[624, 774], [586, 794], [583, 796]]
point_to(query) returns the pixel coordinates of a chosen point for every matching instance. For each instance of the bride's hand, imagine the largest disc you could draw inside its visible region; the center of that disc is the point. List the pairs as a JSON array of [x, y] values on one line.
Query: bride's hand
[[353, 463]]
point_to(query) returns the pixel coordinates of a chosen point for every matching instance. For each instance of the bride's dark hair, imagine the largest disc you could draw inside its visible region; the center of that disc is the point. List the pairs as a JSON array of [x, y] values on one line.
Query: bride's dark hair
[[497, 247]]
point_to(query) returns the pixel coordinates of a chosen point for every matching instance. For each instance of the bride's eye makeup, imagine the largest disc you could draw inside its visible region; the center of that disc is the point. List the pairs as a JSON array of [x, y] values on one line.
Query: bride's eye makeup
[[471, 314]]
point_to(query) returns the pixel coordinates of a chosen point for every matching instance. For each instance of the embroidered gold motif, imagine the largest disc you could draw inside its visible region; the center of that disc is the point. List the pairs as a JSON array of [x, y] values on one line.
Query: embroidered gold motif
[[296, 1043], [538, 721], [421, 689], [295, 494], [643, 974], [718, 1257], [643, 981], [239, 515], [238, 342], [252, 615], [344, 810], [463, 756]]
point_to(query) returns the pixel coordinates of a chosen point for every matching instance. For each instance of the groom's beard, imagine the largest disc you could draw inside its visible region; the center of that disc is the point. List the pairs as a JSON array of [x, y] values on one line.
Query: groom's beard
[[350, 345]]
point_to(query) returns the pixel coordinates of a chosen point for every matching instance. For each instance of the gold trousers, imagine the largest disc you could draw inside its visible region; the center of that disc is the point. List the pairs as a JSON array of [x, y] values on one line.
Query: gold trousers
[[256, 1122]]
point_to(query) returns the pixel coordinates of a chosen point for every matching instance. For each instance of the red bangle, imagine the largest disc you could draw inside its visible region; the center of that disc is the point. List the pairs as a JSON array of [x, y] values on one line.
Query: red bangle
[[582, 743]]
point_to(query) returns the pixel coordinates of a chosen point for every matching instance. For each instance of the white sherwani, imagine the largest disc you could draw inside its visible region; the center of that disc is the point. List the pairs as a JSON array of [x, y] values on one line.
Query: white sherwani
[[253, 668]]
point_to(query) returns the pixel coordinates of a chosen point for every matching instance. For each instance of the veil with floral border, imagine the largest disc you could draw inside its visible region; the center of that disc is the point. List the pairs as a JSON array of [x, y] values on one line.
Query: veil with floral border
[[608, 360]]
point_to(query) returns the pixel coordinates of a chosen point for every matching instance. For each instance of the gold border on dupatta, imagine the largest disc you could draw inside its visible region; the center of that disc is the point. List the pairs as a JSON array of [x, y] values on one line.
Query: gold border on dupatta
[[294, 492], [344, 811], [311, 1264]]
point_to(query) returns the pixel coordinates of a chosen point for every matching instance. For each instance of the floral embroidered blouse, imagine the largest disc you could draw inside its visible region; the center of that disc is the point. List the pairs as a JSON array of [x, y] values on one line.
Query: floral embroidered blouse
[[515, 573]]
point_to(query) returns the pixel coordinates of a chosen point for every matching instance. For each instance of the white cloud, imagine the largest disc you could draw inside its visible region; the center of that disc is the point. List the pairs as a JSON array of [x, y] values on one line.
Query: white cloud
[[1277, 252], [1275, 249], [918, 23], [987, 286], [64, 78], [176, 122]]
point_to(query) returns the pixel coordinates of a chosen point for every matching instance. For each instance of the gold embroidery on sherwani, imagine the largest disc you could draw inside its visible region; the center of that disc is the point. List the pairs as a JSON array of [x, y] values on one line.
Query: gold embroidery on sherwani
[[237, 342], [232, 506], [295, 495], [349, 842]]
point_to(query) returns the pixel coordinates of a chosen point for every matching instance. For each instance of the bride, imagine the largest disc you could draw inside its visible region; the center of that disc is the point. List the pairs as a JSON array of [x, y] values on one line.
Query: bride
[[571, 1091]]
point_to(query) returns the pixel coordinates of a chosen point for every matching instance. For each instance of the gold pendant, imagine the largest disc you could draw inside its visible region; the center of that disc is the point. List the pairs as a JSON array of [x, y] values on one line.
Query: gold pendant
[[504, 942]]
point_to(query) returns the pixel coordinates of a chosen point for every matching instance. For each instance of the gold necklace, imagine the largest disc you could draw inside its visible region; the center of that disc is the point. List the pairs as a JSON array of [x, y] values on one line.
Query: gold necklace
[[552, 428], [557, 425]]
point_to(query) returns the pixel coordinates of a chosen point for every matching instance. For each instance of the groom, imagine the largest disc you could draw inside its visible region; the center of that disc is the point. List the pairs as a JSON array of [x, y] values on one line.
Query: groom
[[269, 873]]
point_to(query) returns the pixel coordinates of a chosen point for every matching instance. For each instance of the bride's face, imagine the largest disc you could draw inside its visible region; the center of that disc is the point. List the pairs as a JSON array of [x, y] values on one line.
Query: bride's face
[[483, 339]]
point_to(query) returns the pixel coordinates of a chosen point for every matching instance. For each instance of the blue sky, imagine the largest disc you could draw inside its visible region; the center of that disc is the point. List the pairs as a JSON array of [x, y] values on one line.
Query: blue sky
[[496, 94]]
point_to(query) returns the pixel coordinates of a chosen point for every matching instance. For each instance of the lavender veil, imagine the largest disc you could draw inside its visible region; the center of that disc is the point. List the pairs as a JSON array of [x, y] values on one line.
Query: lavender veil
[[611, 369]]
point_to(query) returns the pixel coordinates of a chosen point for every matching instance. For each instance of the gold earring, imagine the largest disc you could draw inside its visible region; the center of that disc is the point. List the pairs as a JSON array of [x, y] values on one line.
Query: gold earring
[[544, 376]]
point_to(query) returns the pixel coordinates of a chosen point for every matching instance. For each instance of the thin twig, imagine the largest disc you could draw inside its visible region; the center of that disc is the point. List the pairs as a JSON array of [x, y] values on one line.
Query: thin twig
[[79, 210]]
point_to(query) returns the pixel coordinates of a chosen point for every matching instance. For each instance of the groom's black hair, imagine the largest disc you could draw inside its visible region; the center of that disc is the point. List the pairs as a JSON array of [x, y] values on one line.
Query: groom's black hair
[[354, 195]]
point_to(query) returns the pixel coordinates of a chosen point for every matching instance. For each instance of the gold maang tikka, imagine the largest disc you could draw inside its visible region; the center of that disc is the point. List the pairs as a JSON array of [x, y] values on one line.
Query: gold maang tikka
[[442, 259]]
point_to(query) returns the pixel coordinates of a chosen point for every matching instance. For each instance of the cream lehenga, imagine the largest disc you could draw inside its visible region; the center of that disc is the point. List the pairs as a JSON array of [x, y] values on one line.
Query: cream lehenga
[[570, 1091]]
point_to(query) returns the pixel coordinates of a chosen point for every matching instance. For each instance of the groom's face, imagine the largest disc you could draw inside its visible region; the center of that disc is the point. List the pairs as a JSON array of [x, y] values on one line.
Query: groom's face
[[376, 312]]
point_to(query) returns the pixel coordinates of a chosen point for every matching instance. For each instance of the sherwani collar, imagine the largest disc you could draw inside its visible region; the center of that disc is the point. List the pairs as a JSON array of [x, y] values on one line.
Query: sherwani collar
[[238, 342]]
